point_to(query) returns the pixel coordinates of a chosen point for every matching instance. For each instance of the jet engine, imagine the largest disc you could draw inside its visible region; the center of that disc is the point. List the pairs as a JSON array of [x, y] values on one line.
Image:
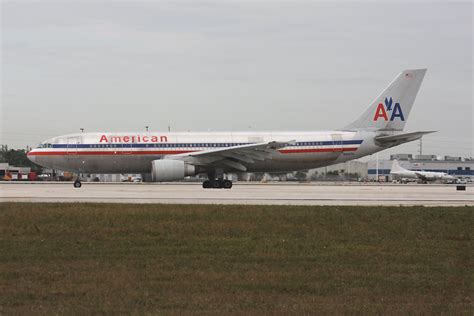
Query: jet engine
[[170, 170]]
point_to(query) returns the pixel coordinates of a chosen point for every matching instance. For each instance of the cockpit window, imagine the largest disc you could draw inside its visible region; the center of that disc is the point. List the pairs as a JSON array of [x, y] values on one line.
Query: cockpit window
[[45, 145]]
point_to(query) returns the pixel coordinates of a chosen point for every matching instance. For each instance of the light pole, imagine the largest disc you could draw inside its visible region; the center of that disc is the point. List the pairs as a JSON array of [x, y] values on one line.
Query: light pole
[[377, 167]]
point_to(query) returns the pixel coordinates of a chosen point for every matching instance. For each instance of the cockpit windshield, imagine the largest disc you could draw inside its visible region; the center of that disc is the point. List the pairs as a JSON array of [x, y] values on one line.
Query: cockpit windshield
[[45, 145]]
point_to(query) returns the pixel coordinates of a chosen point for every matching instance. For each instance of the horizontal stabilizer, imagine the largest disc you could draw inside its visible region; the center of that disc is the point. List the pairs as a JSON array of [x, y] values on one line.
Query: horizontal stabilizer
[[394, 140]]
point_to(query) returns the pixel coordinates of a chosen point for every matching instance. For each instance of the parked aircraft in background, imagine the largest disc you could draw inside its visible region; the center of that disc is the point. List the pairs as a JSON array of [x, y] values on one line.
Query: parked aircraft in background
[[425, 176], [173, 156]]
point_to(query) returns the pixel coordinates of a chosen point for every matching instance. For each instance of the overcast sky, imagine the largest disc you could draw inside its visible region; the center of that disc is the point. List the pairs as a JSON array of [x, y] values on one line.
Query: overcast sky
[[118, 66]]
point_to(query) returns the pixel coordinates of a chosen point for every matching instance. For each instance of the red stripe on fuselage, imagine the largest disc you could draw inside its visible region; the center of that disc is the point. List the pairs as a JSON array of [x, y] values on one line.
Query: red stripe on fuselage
[[108, 153], [172, 152]]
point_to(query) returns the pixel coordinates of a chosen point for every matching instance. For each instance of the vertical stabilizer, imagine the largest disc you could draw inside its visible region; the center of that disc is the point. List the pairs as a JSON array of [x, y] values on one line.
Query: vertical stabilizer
[[396, 167], [390, 110]]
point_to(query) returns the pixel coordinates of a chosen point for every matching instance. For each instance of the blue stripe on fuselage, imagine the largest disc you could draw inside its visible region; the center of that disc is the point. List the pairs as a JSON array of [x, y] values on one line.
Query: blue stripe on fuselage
[[198, 145]]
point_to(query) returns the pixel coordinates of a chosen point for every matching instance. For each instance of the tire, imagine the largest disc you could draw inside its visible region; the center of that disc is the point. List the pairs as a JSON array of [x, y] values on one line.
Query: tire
[[207, 184], [77, 184], [227, 184], [216, 184]]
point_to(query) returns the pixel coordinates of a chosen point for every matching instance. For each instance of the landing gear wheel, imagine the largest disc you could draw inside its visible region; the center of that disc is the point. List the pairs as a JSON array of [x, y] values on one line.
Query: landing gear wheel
[[227, 184], [217, 184], [77, 184]]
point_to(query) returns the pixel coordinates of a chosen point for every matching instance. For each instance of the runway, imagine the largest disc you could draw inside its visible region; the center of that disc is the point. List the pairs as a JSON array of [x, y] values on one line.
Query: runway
[[241, 193]]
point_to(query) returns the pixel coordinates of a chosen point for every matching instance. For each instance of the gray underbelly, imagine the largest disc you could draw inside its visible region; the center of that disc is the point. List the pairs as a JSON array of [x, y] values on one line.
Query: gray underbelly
[[142, 163], [100, 164]]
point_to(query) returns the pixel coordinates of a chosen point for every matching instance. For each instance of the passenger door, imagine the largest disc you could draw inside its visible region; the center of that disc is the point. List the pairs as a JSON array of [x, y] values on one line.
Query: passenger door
[[337, 144], [72, 145]]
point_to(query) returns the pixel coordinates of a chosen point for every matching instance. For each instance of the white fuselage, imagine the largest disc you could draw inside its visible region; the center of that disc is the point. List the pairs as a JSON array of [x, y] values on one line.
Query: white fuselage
[[172, 156], [134, 152]]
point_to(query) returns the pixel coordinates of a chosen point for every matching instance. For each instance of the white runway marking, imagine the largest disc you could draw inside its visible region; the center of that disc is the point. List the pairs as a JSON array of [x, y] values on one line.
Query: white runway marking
[[275, 194]]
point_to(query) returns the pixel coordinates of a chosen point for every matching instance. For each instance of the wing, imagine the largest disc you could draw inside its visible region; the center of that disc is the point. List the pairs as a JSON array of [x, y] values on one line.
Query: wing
[[236, 157], [421, 176]]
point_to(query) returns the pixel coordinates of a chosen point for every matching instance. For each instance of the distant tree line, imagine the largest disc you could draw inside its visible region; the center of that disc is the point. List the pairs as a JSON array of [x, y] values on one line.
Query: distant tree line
[[17, 158]]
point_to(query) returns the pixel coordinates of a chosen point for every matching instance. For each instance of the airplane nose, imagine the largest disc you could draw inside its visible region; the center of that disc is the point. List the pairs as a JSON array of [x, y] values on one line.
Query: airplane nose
[[31, 156]]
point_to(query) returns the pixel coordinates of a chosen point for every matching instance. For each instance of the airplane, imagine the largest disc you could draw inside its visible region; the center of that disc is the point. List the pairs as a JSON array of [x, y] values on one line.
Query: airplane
[[425, 176], [172, 156]]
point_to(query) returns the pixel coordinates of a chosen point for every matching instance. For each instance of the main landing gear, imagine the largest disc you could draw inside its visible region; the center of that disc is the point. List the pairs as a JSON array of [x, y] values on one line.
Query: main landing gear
[[217, 184], [216, 180], [77, 183]]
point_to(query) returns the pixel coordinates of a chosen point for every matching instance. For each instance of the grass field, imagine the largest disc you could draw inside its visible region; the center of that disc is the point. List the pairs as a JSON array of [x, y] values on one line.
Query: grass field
[[112, 258]]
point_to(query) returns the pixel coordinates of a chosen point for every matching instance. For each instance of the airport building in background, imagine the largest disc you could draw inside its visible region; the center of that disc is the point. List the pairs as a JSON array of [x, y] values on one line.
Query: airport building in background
[[9, 172], [350, 170], [456, 166]]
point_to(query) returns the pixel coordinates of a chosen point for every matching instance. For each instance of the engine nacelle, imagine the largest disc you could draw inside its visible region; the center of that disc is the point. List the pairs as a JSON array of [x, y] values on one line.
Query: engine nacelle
[[170, 170]]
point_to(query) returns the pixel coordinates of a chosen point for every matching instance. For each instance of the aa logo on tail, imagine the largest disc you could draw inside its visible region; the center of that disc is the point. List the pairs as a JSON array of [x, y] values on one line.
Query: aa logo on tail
[[383, 112]]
